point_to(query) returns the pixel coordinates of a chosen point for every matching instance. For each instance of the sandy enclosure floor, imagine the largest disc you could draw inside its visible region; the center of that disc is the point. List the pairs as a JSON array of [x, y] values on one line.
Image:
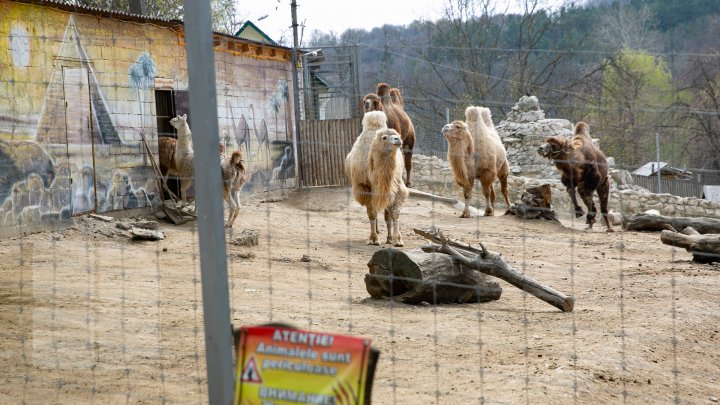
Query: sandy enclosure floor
[[86, 315]]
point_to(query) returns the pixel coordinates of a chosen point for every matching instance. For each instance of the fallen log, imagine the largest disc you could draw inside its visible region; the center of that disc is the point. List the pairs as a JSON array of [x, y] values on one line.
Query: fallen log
[[657, 223], [704, 248], [412, 277], [457, 204], [494, 264]]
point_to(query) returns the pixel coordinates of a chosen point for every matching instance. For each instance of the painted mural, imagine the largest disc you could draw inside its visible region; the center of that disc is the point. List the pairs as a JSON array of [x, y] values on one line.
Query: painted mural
[[82, 95]]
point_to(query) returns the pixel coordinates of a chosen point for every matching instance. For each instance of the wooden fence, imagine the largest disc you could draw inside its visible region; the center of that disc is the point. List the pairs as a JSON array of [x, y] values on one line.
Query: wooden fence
[[323, 147], [681, 188]]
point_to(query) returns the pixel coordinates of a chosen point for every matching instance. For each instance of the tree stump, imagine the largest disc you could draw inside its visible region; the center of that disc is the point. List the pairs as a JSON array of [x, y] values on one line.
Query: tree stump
[[414, 276], [657, 223], [535, 202], [704, 248]]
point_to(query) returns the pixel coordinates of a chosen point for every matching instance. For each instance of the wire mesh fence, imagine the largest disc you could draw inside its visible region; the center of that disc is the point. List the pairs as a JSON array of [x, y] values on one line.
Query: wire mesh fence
[[89, 314]]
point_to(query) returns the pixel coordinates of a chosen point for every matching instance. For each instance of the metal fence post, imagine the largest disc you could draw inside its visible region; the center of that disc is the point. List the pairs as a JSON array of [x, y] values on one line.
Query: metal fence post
[[209, 202]]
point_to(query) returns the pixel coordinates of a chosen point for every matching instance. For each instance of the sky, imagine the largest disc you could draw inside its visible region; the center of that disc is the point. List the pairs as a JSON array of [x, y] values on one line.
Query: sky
[[340, 15]]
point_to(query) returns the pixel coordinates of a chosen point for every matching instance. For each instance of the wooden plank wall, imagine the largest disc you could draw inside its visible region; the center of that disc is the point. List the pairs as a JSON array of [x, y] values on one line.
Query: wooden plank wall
[[323, 147], [681, 188]]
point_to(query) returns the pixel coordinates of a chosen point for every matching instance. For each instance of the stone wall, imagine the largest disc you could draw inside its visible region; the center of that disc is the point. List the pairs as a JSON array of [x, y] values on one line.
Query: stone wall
[[523, 130], [434, 175]]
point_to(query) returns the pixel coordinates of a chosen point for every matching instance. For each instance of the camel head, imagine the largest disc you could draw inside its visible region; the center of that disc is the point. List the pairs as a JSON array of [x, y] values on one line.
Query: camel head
[[454, 129], [372, 102], [390, 139], [179, 121], [553, 147]]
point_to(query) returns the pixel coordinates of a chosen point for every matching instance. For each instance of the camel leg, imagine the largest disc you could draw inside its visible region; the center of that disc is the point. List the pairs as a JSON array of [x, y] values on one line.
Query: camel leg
[[590, 204], [604, 193], [397, 240], [388, 224], [467, 193], [486, 181], [407, 155], [372, 216], [504, 190], [573, 197]]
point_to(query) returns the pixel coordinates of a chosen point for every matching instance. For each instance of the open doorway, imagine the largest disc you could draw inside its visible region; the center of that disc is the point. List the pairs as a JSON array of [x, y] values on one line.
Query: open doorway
[[168, 104]]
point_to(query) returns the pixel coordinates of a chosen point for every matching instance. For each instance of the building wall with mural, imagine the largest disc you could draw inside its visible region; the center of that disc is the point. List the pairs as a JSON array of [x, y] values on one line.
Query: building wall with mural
[[79, 88]]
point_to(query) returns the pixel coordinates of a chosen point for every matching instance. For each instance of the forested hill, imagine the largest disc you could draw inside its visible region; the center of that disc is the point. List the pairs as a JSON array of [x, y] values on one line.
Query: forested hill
[[631, 68]]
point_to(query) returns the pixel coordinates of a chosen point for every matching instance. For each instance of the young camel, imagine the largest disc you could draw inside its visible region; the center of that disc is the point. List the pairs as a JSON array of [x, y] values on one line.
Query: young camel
[[476, 152]]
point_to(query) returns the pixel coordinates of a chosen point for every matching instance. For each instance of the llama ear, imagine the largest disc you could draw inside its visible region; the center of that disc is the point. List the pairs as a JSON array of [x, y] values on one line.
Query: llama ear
[[184, 117]]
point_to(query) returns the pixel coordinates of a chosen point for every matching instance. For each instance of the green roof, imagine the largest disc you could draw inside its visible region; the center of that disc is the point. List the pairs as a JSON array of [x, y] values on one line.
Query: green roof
[[251, 32]]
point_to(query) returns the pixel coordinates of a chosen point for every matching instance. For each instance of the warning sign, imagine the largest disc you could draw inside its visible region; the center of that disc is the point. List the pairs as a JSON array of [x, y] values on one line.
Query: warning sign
[[278, 365], [250, 373]]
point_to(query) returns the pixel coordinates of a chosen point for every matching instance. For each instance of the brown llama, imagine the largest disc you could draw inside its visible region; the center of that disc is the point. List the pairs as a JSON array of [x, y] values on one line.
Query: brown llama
[[234, 176]]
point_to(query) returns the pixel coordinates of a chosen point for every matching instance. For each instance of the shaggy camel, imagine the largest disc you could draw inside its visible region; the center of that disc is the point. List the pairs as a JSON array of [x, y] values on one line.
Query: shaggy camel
[[583, 167], [391, 102], [476, 152], [234, 176], [358, 171], [183, 154], [385, 164]]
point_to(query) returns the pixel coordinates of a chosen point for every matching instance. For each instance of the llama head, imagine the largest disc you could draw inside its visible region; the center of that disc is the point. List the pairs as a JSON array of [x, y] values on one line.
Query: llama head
[[179, 121]]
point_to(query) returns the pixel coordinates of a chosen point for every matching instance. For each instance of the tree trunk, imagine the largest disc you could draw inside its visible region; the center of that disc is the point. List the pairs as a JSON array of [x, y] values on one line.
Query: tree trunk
[[704, 248], [535, 202], [495, 265], [656, 223], [412, 277]]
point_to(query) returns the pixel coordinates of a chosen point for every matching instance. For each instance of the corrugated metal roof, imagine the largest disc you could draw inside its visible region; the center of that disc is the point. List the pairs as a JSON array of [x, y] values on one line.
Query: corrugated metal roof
[[125, 16], [648, 169], [711, 193]]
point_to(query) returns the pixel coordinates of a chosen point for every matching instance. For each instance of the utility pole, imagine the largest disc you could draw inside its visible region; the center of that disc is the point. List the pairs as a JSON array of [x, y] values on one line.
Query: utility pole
[[296, 93], [657, 153], [208, 180]]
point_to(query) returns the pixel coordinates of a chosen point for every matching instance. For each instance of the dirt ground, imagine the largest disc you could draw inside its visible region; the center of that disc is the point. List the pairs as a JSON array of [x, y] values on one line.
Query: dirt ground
[[86, 315]]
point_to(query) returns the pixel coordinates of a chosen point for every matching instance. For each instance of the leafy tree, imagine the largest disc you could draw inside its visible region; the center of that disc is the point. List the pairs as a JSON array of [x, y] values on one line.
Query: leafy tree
[[637, 91]]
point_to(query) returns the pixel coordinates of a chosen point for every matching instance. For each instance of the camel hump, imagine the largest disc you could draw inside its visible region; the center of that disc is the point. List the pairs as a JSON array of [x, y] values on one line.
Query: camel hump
[[395, 96], [374, 119], [582, 128], [383, 90], [473, 113], [486, 116]]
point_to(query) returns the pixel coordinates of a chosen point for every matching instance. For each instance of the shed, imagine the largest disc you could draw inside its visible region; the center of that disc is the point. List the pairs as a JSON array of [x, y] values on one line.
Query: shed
[[666, 171], [711, 192]]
